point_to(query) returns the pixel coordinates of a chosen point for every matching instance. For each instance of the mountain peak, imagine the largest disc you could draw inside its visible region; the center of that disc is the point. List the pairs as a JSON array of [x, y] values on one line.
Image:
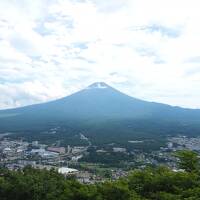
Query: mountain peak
[[98, 85]]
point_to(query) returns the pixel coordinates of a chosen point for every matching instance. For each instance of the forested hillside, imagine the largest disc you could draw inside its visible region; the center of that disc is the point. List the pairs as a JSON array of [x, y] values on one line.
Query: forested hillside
[[149, 184]]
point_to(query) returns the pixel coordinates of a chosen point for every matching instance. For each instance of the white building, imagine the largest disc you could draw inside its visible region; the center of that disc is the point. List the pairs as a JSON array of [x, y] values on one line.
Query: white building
[[118, 149], [67, 171]]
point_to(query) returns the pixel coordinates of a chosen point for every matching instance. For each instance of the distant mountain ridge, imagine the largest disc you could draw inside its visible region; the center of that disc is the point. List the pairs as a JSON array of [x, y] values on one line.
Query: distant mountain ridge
[[96, 104]]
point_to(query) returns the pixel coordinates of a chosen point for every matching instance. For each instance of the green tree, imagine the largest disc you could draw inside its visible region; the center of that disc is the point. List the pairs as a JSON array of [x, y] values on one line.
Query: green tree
[[115, 191], [188, 160]]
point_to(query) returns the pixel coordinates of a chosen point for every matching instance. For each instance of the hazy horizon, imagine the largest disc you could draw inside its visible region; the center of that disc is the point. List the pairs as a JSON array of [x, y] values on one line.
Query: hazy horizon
[[85, 88]]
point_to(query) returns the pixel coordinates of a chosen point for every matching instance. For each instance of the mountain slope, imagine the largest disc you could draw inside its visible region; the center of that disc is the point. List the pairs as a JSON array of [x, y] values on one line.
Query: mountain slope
[[94, 107]]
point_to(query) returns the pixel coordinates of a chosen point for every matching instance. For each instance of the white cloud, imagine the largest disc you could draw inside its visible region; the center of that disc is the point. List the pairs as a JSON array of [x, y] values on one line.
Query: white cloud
[[149, 49]]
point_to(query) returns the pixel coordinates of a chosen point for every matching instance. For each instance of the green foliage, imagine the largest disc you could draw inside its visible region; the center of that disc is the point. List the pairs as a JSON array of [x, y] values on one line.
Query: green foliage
[[158, 183], [188, 160], [109, 158]]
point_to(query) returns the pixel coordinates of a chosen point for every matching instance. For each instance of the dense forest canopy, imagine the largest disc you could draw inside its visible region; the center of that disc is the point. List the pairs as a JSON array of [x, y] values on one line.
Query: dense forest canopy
[[149, 184]]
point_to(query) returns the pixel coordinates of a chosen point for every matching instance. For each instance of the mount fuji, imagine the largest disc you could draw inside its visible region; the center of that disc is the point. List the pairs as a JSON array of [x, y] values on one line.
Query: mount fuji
[[99, 108]]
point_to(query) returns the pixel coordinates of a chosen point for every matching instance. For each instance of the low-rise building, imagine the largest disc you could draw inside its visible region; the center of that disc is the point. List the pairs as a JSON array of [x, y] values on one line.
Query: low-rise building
[[67, 171], [60, 150], [118, 149]]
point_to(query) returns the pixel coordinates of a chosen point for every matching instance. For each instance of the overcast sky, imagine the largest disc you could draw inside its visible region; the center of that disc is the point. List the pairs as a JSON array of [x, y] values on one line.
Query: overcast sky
[[149, 49]]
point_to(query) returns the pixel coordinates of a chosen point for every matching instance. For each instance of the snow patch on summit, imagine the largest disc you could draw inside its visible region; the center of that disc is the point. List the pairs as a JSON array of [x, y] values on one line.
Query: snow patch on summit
[[98, 85]]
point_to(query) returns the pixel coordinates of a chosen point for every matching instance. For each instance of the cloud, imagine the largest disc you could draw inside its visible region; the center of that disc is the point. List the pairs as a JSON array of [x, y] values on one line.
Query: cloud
[[148, 49], [164, 31]]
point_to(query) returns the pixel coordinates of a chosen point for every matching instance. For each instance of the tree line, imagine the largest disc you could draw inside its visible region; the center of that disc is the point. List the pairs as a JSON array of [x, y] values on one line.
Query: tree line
[[159, 183]]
